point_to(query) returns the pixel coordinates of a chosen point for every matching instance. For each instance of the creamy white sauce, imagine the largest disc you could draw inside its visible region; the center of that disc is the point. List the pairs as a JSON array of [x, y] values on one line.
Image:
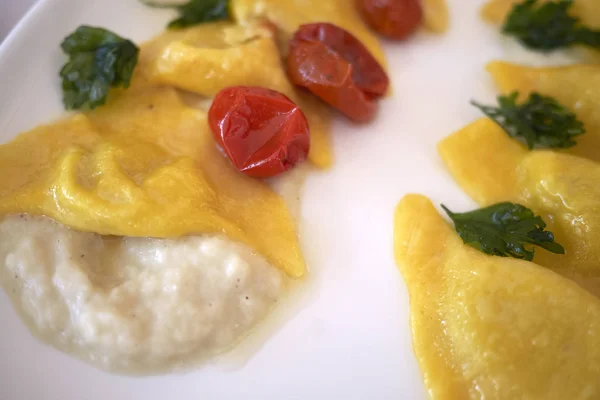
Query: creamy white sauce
[[138, 305], [135, 303]]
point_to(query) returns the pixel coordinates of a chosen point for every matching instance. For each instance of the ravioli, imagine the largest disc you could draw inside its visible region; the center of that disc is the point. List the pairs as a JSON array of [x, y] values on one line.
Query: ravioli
[[576, 87], [492, 327], [212, 57], [495, 11], [435, 15], [145, 164], [491, 167], [290, 14]]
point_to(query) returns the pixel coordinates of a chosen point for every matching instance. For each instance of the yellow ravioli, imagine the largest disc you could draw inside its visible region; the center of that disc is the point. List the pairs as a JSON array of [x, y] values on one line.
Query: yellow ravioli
[[491, 167], [495, 11], [212, 57], [144, 165], [576, 87], [288, 15], [435, 15], [488, 327]]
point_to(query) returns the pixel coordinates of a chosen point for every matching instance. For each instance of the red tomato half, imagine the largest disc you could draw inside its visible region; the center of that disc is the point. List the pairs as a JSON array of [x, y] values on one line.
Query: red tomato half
[[338, 68], [367, 73], [262, 131], [396, 19], [326, 74]]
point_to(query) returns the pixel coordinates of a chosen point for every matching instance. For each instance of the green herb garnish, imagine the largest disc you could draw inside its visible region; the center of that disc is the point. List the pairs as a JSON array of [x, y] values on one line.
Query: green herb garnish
[[196, 12], [505, 230], [98, 60], [548, 26], [540, 121]]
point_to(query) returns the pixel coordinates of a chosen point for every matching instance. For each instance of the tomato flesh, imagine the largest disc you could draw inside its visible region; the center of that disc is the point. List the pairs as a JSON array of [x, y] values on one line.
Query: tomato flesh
[[338, 68], [262, 131], [395, 19]]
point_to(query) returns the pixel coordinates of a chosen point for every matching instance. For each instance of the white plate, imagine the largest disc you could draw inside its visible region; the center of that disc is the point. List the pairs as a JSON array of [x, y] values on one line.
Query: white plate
[[351, 338]]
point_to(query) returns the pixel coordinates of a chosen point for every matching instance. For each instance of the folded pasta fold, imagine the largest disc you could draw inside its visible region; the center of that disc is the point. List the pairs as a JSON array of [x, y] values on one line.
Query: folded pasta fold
[[143, 165], [491, 167], [576, 87], [237, 56], [492, 327]]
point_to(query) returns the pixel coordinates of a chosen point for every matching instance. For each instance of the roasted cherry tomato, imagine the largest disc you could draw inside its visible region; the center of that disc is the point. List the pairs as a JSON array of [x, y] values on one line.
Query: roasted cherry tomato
[[262, 131], [326, 74], [396, 19], [367, 73], [336, 67]]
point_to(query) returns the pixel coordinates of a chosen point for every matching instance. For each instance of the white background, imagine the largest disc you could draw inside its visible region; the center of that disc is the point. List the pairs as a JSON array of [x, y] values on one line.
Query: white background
[[10, 13]]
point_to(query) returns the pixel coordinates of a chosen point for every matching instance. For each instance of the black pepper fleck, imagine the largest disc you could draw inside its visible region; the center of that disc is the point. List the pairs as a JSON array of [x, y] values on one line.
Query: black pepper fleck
[[247, 298]]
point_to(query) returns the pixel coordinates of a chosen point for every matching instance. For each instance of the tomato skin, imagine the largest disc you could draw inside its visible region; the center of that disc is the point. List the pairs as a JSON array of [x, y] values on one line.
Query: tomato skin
[[262, 131], [368, 75], [395, 19], [326, 74], [338, 68]]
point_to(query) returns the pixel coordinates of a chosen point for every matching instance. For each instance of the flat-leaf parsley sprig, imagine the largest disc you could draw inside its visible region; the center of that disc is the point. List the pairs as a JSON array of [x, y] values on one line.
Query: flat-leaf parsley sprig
[[548, 26], [540, 121], [98, 60], [504, 229], [194, 11]]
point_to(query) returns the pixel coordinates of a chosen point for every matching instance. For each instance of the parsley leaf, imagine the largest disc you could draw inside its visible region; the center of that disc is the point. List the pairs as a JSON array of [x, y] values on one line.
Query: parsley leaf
[[505, 230], [196, 12], [98, 60], [540, 121], [548, 26]]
